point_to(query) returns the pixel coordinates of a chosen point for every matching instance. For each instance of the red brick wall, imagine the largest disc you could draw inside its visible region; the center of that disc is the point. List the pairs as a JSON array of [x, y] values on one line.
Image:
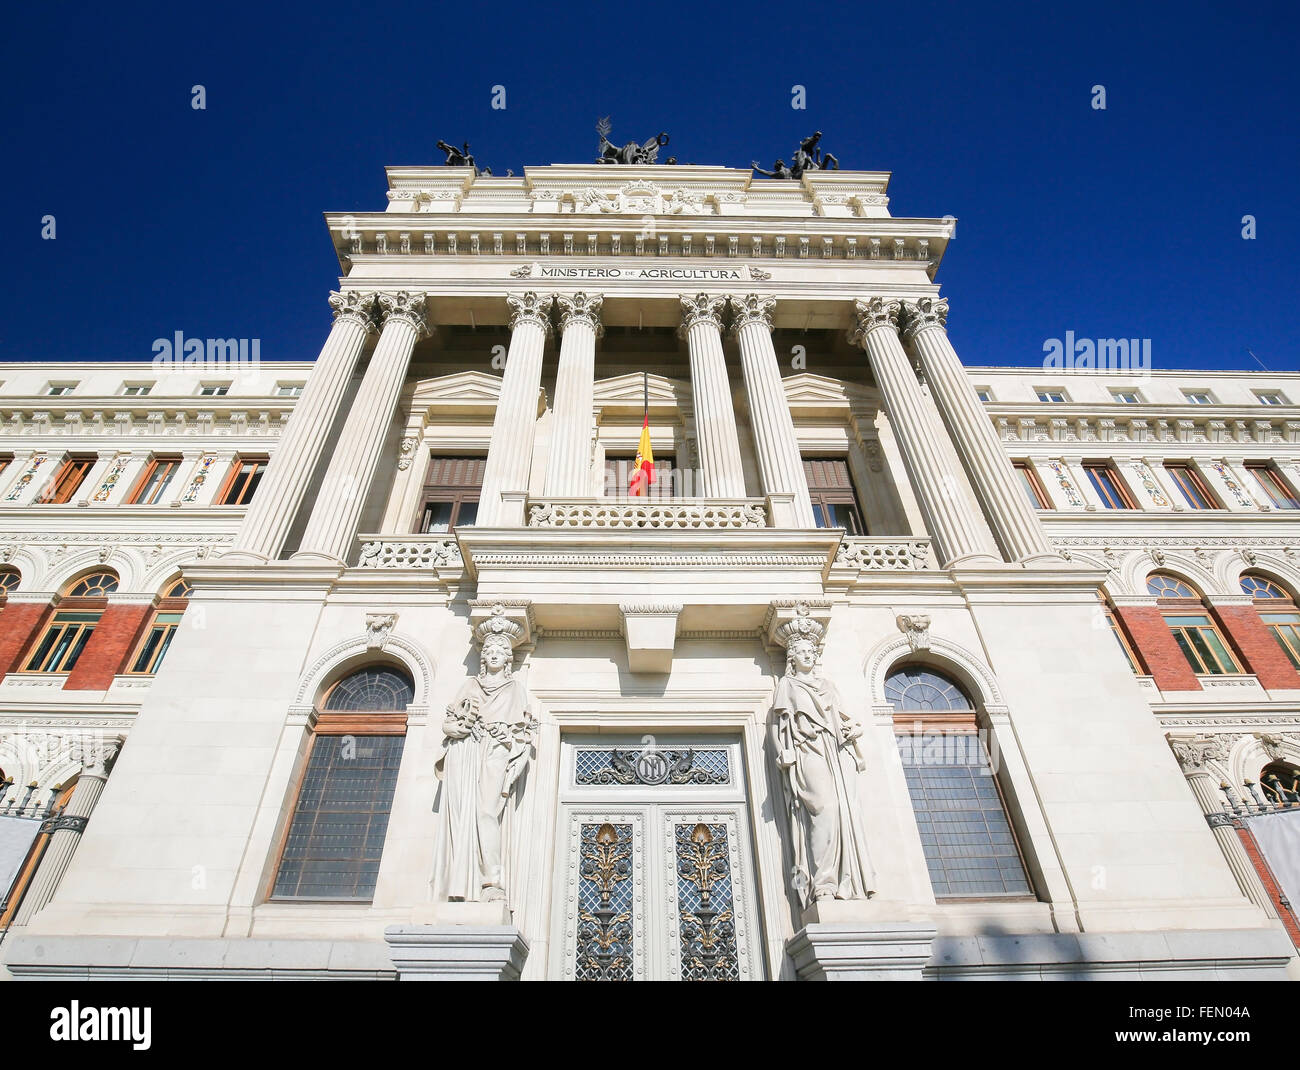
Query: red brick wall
[[1263, 654], [1270, 883], [1155, 642], [106, 653], [19, 623]]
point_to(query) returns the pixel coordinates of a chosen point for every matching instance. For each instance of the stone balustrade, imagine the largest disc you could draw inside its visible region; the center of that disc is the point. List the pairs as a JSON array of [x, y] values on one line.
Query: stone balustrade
[[409, 551], [888, 555], [648, 514]]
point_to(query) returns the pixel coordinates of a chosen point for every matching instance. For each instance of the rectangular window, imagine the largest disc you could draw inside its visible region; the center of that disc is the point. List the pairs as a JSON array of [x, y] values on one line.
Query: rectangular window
[[970, 849], [1286, 630], [71, 474], [451, 493], [618, 476], [1192, 487], [58, 390], [1201, 644], [1033, 488], [1271, 398], [241, 484], [834, 501], [136, 390], [64, 639], [1055, 397], [1126, 397], [1273, 485], [984, 393], [214, 390], [288, 390], [1125, 647], [336, 837], [1108, 485], [1198, 397], [153, 483], [154, 646]]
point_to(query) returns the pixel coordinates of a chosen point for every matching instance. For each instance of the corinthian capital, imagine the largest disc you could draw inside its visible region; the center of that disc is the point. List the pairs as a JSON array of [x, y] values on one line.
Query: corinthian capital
[[701, 308], [1193, 752], [406, 307], [531, 307], [355, 306], [751, 308], [581, 308], [922, 313], [96, 754], [870, 314]]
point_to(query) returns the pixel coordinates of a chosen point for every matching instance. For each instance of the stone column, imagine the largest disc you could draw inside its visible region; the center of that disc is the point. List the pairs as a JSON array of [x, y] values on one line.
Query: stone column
[[66, 828], [569, 472], [279, 496], [334, 517], [510, 453], [721, 473], [779, 464], [997, 486], [959, 537], [1192, 753]]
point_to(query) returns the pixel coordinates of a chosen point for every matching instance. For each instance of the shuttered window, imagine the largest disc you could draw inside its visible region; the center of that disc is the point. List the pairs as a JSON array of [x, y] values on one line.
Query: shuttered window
[[451, 493], [834, 501]]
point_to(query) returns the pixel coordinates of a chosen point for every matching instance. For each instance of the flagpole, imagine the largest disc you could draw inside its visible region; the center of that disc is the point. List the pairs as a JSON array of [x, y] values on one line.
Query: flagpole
[[645, 385]]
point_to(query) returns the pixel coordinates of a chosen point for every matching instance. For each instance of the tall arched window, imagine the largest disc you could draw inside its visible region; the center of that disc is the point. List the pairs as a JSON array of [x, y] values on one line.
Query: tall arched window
[[335, 836], [1277, 609], [158, 636], [70, 627], [1195, 632], [970, 848]]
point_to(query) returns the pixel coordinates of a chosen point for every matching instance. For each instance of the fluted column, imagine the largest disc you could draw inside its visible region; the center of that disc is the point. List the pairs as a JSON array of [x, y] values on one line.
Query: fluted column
[[960, 537], [510, 452], [334, 517], [279, 496], [780, 466], [1015, 524], [569, 471], [721, 473], [66, 829], [1192, 753]]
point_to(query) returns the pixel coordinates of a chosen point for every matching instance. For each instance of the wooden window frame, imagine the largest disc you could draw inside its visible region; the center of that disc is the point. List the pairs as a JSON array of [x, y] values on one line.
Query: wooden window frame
[[434, 491], [35, 855], [85, 630], [1114, 481], [1126, 644], [1286, 632], [822, 497], [164, 605], [1196, 606], [5, 588], [1030, 481], [140, 484], [72, 472], [1185, 470], [664, 468], [1272, 483], [258, 465]]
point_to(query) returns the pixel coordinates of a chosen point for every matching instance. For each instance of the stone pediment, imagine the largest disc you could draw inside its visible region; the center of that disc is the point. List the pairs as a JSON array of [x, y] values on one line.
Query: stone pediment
[[629, 390], [467, 391], [806, 392]]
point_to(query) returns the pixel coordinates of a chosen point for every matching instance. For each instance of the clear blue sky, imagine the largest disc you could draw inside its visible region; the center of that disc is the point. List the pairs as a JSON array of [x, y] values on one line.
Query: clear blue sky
[[1123, 222]]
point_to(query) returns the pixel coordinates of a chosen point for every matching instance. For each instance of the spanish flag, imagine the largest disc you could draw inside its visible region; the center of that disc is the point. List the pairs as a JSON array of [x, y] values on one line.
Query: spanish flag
[[643, 473]]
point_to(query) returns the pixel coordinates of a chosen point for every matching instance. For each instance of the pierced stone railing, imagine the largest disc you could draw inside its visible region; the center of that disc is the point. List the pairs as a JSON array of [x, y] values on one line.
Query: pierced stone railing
[[648, 514], [409, 551], [886, 555]]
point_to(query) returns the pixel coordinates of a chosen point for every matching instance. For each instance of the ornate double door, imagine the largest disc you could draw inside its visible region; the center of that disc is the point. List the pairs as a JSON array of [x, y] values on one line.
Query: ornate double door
[[655, 875]]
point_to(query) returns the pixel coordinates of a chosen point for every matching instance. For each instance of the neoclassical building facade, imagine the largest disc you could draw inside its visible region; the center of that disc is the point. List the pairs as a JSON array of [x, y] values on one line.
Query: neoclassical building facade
[[371, 667]]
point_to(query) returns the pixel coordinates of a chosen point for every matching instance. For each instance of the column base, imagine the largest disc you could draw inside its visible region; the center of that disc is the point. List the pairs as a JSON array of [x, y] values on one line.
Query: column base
[[856, 948], [457, 951], [317, 557], [242, 557], [980, 560]]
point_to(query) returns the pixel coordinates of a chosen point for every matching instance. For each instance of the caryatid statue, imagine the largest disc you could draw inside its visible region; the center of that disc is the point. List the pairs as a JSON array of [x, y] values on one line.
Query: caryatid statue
[[816, 744], [489, 738]]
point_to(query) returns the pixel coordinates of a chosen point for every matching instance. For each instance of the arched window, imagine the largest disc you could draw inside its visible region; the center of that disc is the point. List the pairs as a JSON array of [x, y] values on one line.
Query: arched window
[[1194, 630], [335, 837], [1281, 783], [970, 848], [158, 636], [1277, 609], [9, 580], [73, 622]]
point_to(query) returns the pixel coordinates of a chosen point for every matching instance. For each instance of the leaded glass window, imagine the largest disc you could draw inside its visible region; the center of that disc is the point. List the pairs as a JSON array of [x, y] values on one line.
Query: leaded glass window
[[914, 688], [380, 688]]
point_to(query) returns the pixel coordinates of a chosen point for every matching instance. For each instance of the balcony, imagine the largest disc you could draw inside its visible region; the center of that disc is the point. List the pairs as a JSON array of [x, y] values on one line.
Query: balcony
[[646, 514]]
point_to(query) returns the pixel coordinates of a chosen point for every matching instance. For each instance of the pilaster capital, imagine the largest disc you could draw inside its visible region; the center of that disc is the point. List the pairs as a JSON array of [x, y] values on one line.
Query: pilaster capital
[[923, 313], [701, 308], [580, 308], [530, 307], [96, 754], [751, 308], [1193, 752], [870, 314], [354, 306], [406, 307]]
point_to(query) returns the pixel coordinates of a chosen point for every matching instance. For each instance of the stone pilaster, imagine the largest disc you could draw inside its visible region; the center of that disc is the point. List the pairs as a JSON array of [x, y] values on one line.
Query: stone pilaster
[[959, 537], [1015, 523], [779, 464], [279, 496], [721, 472], [569, 470], [66, 829], [334, 518], [510, 454]]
